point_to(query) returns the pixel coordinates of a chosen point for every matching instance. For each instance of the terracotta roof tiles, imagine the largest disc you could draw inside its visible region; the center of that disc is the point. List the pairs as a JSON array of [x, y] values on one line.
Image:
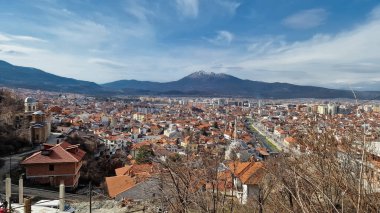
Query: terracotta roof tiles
[[58, 154]]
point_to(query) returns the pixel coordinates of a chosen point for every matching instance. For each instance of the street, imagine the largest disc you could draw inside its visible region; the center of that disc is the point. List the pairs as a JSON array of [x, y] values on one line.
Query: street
[[270, 136], [46, 194], [263, 138]]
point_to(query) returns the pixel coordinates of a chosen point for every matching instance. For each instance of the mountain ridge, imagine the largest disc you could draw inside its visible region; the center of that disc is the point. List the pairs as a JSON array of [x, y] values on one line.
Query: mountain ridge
[[220, 84], [199, 83], [32, 78]]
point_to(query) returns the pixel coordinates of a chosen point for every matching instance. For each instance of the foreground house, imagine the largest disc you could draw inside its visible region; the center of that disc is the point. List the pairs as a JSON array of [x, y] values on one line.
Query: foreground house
[[55, 163], [246, 179], [133, 182]]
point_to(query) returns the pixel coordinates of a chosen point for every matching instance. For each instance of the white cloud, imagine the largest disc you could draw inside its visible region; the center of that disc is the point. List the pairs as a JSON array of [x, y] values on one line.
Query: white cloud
[[28, 38], [139, 11], [81, 33], [94, 49], [107, 63], [347, 57], [230, 6], [223, 37], [4, 38], [8, 37], [188, 8], [306, 19], [19, 49]]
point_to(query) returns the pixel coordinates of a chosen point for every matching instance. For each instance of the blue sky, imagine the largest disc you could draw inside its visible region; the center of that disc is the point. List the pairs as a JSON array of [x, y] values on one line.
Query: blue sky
[[333, 43]]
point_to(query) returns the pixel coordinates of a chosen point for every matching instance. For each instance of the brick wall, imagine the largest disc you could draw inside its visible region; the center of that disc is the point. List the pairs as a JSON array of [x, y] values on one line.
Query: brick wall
[[43, 169], [68, 172]]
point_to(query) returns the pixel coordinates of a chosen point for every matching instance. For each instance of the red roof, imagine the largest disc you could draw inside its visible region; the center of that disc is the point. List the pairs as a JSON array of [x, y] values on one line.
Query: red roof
[[60, 153], [119, 184], [290, 140], [134, 169]]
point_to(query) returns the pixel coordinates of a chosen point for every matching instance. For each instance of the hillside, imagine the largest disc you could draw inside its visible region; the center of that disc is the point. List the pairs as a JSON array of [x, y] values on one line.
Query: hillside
[[31, 78]]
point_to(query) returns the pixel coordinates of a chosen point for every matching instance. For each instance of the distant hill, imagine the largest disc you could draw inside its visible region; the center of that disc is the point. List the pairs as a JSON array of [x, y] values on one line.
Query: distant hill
[[199, 83], [219, 84], [31, 78]]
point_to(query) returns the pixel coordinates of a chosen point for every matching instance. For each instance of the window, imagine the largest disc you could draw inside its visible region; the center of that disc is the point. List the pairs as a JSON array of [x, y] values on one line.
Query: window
[[51, 167]]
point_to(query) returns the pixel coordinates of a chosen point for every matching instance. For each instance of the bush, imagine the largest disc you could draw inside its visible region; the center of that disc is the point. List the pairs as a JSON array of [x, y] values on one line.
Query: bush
[[10, 144], [144, 155]]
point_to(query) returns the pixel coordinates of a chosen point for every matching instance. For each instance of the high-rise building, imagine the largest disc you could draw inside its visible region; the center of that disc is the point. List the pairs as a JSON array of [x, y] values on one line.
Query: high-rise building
[[323, 110], [332, 109]]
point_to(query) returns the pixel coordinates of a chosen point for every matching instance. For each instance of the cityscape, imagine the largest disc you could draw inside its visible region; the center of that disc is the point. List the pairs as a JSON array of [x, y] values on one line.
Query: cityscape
[[185, 120]]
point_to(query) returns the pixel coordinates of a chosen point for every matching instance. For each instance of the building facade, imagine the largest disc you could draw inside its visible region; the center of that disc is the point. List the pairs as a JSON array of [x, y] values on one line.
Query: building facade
[[55, 163]]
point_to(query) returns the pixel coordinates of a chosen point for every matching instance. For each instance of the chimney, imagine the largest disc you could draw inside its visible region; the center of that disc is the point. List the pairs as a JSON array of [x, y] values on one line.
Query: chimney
[[46, 152], [47, 146]]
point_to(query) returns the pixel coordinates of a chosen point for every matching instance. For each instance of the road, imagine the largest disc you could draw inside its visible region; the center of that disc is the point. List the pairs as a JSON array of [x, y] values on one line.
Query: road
[[260, 139], [264, 138], [46, 194]]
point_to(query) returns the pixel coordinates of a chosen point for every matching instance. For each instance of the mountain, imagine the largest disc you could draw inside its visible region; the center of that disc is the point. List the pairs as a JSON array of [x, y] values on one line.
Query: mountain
[[200, 83], [31, 78], [219, 84]]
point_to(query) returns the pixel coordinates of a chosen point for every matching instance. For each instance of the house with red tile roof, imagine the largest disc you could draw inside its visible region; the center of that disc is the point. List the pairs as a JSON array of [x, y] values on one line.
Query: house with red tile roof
[[132, 182], [290, 141], [246, 179], [55, 163]]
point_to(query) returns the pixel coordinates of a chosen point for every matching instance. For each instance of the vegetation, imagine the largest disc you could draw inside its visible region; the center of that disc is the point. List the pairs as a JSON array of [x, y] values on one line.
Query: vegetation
[[11, 144], [10, 102], [145, 155], [268, 141], [9, 140], [95, 169], [332, 176]]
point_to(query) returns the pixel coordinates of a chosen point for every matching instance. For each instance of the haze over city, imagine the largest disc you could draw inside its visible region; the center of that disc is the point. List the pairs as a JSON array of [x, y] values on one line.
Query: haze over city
[[327, 43]]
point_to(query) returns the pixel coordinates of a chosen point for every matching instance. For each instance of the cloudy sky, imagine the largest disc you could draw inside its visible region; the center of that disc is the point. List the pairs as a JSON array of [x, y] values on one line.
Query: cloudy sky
[[332, 43]]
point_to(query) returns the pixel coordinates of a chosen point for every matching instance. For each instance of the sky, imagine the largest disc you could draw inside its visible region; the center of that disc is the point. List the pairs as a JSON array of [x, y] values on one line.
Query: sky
[[330, 43]]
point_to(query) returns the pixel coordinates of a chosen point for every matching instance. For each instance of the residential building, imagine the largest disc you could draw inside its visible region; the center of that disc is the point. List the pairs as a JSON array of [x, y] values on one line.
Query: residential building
[[55, 163]]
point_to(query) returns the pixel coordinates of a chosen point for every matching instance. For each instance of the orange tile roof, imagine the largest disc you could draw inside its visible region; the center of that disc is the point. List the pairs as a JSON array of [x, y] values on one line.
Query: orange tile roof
[[238, 167], [253, 174], [262, 151], [119, 184], [140, 144], [290, 140], [134, 169], [123, 170]]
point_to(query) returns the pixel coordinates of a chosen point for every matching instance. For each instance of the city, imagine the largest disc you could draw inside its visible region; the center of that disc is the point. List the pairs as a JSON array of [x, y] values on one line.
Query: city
[[122, 146], [187, 106]]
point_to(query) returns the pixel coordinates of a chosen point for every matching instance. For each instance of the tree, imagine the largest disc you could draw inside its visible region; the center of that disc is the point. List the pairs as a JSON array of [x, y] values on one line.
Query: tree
[[215, 125], [323, 179], [144, 155]]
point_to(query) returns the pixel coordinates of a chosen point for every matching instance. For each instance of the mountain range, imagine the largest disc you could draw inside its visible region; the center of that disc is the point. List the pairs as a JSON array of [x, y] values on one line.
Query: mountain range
[[32, 78], [200, 83]]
